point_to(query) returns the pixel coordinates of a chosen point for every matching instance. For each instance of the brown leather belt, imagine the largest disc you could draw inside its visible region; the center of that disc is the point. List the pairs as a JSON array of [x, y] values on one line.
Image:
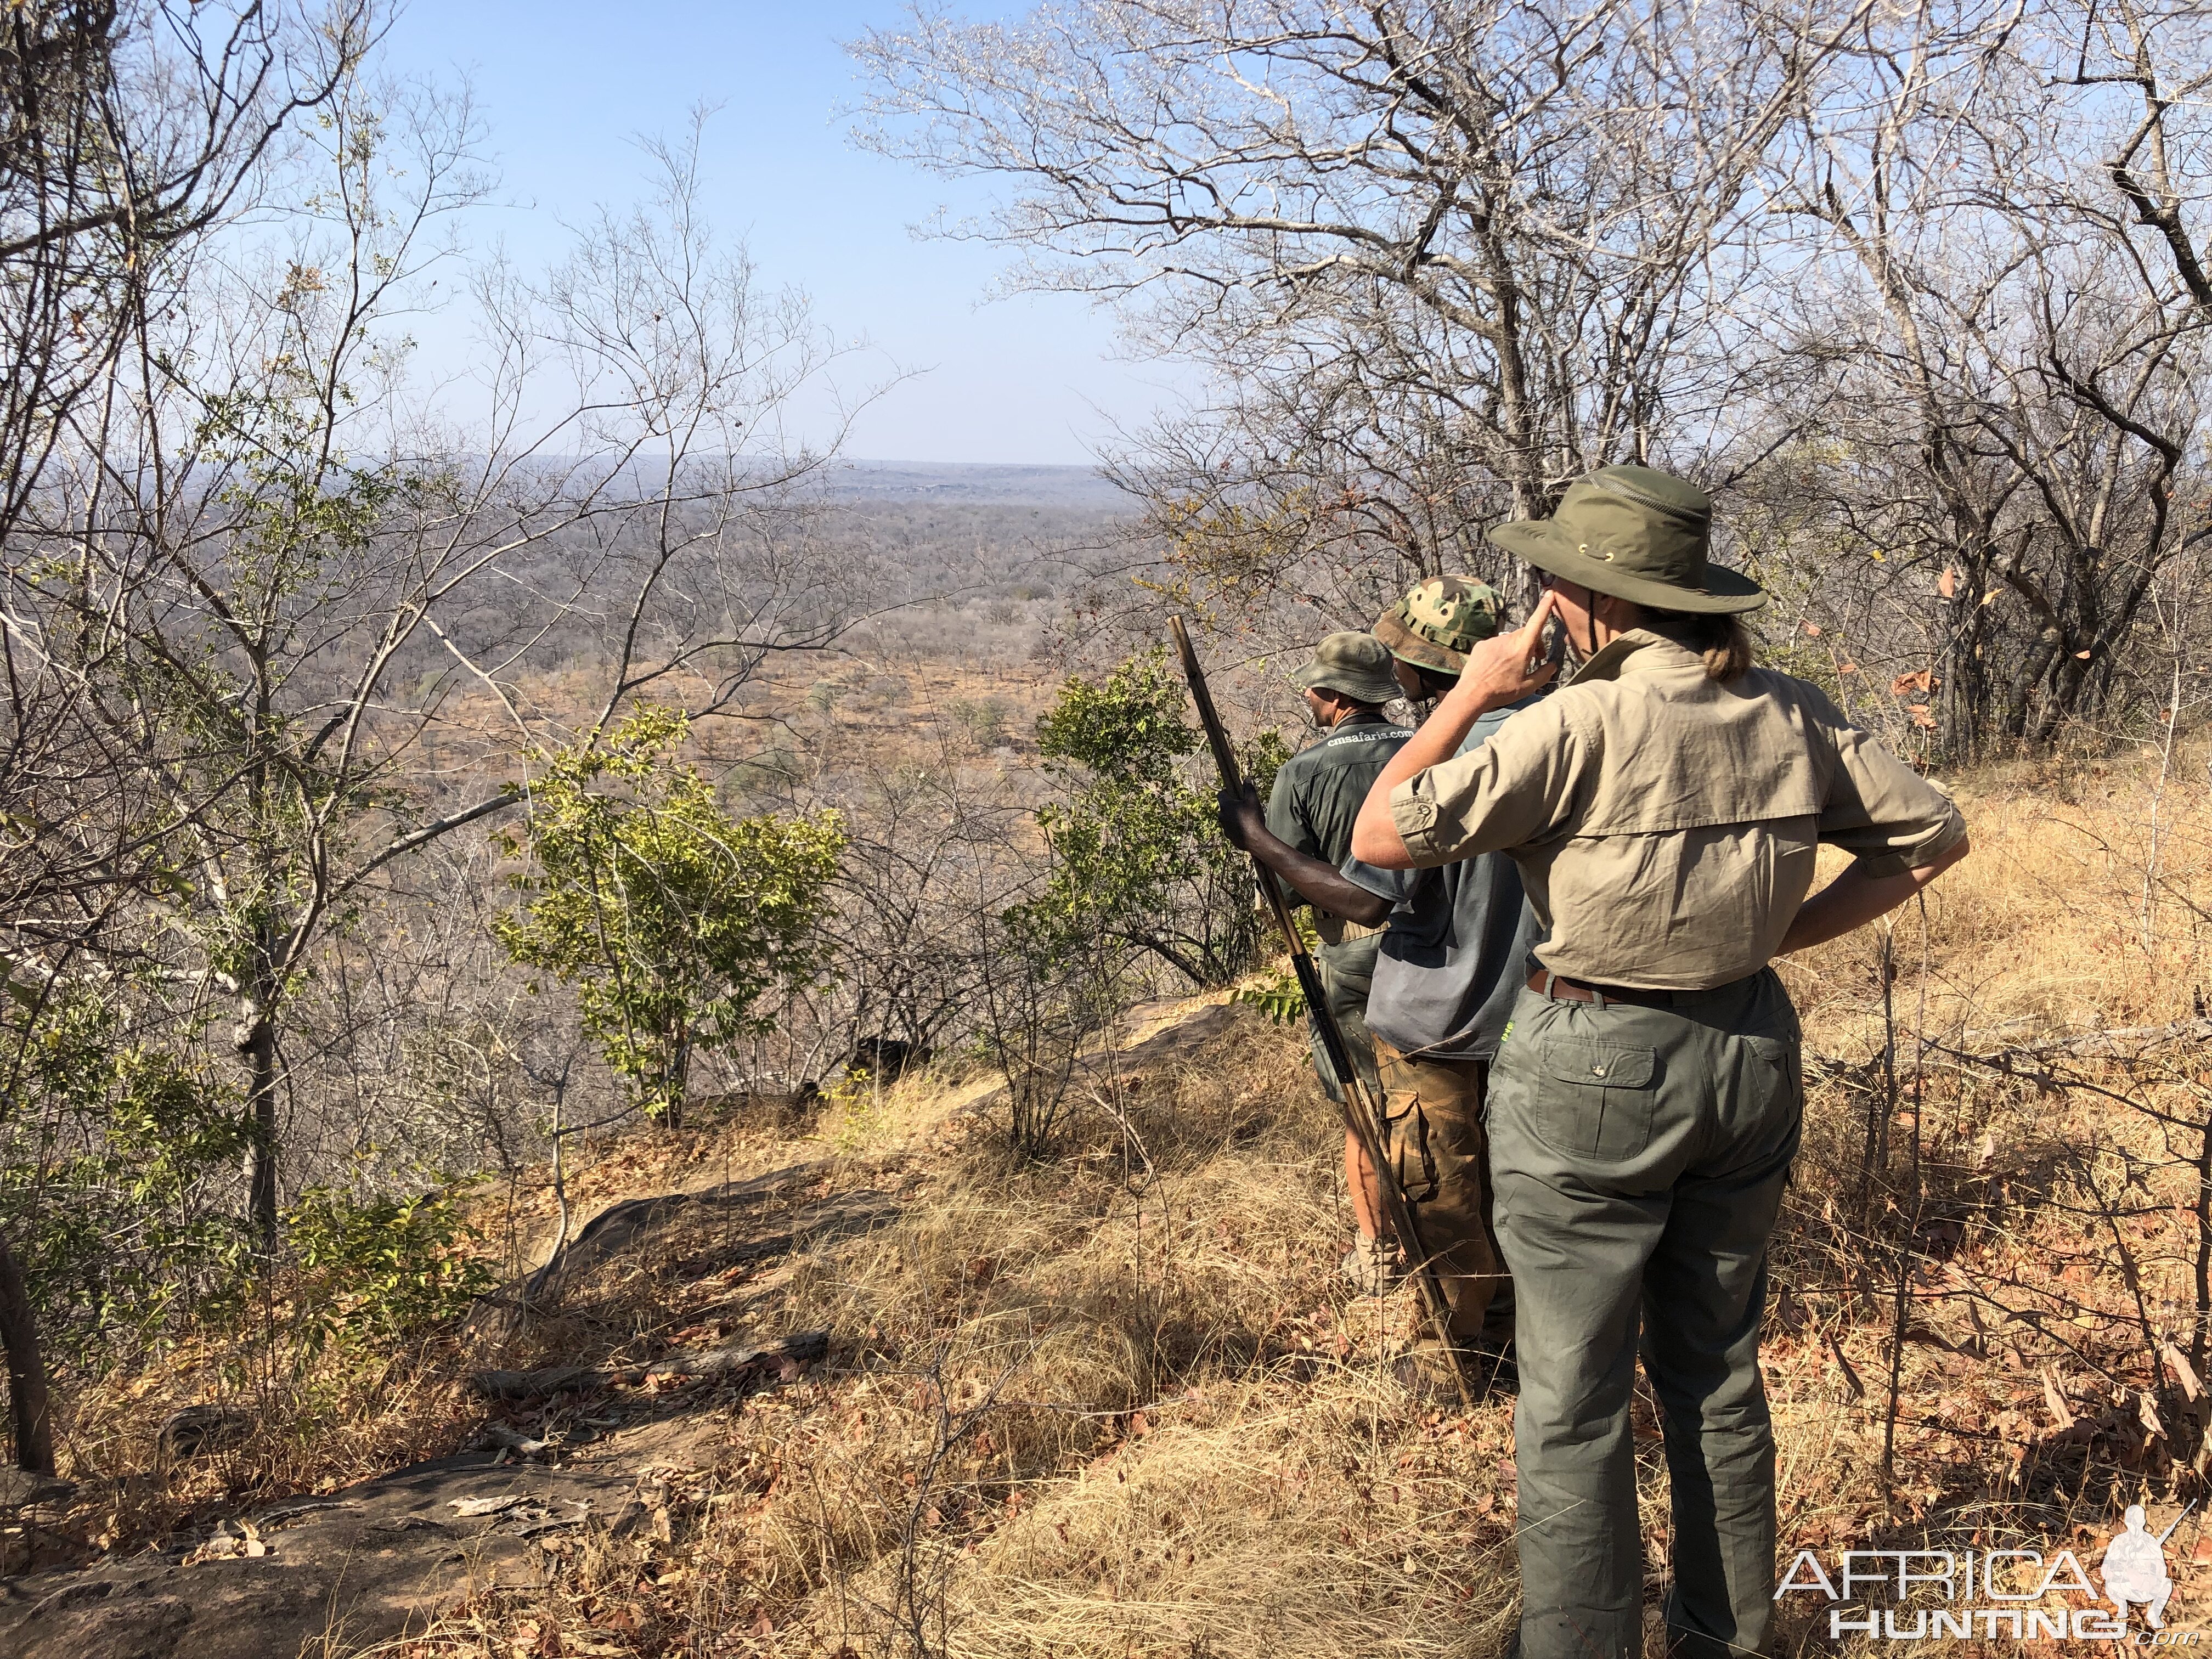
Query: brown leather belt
[[1545, 983]]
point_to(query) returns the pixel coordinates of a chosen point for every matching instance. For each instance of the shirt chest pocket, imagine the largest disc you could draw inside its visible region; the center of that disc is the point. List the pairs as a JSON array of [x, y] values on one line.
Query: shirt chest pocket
[[1595, 1100]]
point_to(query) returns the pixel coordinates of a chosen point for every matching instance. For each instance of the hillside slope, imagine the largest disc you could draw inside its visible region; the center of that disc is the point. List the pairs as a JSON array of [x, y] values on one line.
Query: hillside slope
[[1116, 1402]]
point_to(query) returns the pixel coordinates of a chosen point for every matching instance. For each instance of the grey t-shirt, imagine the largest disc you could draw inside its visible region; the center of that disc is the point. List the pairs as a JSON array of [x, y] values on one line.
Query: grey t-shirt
[[1456, 954]]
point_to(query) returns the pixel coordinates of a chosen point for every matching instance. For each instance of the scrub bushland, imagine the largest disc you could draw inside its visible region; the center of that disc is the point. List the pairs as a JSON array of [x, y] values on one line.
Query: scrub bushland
[[1113, 1400]]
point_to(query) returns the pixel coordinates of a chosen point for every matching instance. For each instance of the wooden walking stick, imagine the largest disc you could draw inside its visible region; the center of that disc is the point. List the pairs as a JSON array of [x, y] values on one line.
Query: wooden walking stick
[[1362, 1112]]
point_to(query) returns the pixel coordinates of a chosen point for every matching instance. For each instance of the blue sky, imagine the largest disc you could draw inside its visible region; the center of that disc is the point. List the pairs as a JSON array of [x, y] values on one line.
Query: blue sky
[[564, 87]]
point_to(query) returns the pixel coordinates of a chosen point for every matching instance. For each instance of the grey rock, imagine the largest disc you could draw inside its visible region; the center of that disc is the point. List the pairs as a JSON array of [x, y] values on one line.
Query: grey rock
[[20, 1489], [365, 1565]]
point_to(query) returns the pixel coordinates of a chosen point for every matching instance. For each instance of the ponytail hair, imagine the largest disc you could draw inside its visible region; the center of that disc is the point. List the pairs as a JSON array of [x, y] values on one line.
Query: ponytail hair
[[1720, 639]]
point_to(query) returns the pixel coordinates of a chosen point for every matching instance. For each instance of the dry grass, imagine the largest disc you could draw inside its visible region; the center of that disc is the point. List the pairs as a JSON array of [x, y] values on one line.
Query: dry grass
[[1096, 1405], [1116, 1404], [303, 1424], [2085, 904]]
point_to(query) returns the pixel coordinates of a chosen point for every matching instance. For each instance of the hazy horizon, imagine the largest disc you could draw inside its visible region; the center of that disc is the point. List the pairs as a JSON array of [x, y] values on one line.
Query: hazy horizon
[[1030, 380]]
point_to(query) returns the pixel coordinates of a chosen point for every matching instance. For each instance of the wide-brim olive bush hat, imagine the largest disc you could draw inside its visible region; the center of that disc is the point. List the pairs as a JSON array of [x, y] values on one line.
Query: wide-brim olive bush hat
[[1436, 625], [1357, 664], [1638, 534]]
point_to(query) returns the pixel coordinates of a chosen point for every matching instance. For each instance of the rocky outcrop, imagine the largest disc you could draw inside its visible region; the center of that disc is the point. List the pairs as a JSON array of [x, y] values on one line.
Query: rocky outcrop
[[363, 1565]]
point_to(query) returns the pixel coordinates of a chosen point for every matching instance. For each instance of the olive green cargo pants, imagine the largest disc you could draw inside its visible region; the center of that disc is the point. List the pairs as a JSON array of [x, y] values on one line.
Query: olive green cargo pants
[[1638, 1155], [1347, 973]]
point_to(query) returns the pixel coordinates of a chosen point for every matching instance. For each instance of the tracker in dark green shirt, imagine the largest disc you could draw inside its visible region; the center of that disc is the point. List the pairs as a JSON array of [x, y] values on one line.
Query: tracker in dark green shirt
[[1416, 651], [1316, 798]]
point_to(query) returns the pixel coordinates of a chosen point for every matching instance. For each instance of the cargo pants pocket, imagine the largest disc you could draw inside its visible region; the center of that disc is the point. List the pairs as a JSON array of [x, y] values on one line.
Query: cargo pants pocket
[[1771, 1106], [1406, 1127], [1593, 1099]]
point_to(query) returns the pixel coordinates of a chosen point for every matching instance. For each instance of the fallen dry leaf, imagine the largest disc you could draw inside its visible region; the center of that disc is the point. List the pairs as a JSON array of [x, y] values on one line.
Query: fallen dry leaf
[[1844, 1364], [2183, 1373], [2147, 1415], [2055, 1402], [466, 1507]]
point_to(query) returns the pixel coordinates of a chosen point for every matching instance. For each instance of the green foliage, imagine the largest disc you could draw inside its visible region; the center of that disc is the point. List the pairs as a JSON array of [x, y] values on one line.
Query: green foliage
[[1278, 996], [669, 916], [1263, 757], [1128, 729], [983, 719], [105, 1146], [1136, 853], [380, 1267]]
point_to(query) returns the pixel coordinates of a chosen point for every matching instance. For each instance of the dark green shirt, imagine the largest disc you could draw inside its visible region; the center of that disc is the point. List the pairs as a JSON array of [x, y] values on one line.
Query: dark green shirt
[[1317, 795]]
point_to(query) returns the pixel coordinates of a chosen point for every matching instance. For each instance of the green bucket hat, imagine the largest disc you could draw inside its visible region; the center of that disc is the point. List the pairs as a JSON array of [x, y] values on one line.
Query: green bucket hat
[[1436, 625], [1358, 664], [1636, 534]]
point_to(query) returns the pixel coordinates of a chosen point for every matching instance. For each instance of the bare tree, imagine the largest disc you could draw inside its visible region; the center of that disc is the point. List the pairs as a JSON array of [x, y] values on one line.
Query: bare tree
[[1996, 372], [127, 136], [1440, 257], [687, 372], [283, 554], [127, 133]]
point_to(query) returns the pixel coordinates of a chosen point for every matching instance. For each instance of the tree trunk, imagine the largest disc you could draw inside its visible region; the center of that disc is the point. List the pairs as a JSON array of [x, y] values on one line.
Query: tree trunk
[[26, 1371], [1962, 691], [676, 1097], [256, 1047]]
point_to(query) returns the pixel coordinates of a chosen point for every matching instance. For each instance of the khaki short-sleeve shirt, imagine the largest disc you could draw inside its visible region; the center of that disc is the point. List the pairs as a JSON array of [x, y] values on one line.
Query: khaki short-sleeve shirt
[[1666, 825]]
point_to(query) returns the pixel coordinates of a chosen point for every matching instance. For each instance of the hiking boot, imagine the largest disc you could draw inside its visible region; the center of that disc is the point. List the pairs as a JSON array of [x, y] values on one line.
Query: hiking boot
[[1372, 1266]]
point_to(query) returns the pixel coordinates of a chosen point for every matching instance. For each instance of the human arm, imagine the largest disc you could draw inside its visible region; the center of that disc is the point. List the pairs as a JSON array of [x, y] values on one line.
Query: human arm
[[1858, 896], [1501, 670], [1903, 829], [1315, 881]]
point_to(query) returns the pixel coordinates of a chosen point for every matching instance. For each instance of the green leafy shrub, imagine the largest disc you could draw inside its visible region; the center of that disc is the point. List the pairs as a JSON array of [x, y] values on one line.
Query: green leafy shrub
[[671, 917], [983, 720], [380, 1267], [112, 1157], [1136, 855], [1279, 995]]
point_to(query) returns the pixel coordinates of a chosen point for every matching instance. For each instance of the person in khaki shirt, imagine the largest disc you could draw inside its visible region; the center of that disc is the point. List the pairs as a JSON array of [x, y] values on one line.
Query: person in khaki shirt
[[1664, 806]]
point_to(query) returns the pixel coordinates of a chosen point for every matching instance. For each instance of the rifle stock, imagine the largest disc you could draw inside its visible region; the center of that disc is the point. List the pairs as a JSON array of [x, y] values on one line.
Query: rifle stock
[[1361, 1113]]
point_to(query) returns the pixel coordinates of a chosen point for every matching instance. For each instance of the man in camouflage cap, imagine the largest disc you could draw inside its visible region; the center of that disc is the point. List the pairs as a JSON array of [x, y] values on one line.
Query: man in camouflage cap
[[1435, 626], [1443, 976]]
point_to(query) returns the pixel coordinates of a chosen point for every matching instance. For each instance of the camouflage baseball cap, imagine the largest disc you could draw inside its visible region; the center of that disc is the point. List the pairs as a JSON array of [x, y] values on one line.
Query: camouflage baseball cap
[[1436, 625], [1357, 664]]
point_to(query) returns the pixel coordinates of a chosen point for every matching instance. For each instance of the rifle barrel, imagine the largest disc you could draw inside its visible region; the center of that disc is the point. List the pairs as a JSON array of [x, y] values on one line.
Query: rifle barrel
[[1361, 1116], [2177, 1520]]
